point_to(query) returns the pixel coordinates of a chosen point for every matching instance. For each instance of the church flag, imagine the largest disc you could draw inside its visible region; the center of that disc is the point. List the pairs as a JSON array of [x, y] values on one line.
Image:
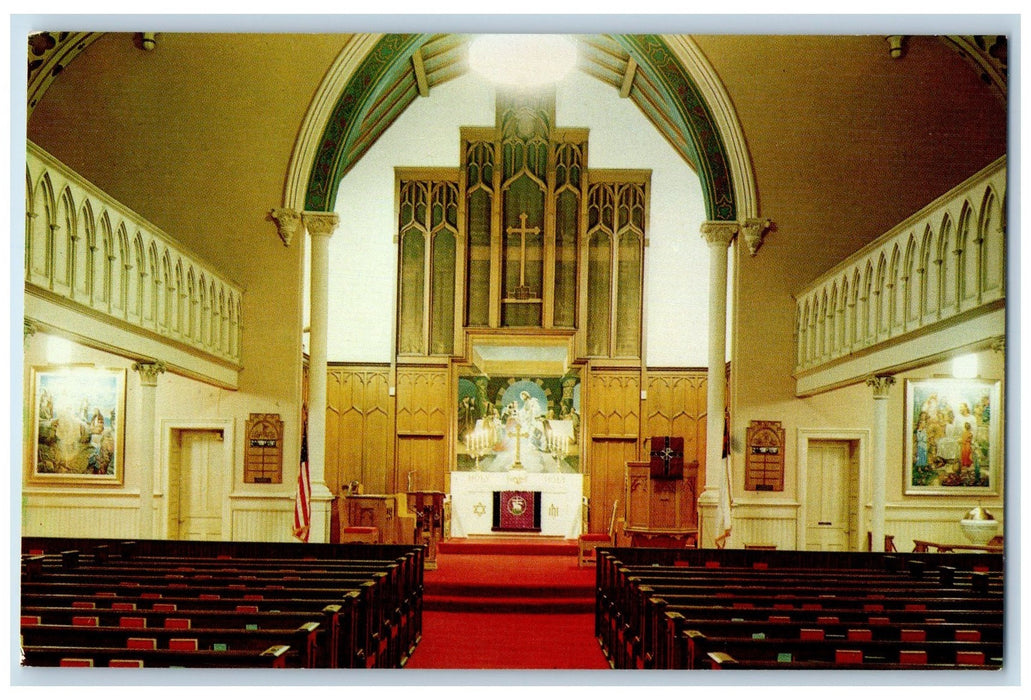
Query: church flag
[[302, 504], [723, 509]]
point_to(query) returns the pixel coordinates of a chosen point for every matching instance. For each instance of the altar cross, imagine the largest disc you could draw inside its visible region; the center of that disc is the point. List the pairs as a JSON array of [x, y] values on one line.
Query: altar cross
[[518, 434], [522, 291]]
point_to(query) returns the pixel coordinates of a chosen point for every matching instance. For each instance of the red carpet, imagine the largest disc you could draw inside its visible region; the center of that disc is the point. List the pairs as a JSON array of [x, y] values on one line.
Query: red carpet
[[511, 610]]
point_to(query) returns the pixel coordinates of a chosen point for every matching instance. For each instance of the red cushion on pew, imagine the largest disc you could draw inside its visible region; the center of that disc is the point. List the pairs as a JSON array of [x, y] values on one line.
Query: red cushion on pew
[[970, 657], [828, 620], [968, 636], [912, 657], [848, 656], [916, 606], [859, 635], [150, 596], [247, 608], [30, 620], [253, 596], [183, 644], [780, 618], [84, 604], [873, 607], [712, 565], [125, 663], [106, 594], [177, 623], [77, 663], [913, 635], [141, 643], [878, 620], [760, 565], [744, 606], [164, 607], [812, 606], [132, 622], [209, 596], [123, 606], [85, 621], [810, 634]]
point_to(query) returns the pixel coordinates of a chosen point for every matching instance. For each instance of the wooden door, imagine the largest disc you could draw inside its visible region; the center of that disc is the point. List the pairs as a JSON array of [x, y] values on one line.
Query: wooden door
[[200, 489], [828, 495]]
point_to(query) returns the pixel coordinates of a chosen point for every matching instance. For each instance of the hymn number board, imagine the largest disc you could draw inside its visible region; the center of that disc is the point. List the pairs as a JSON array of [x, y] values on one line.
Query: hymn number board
[[764, 456], [263, 456]]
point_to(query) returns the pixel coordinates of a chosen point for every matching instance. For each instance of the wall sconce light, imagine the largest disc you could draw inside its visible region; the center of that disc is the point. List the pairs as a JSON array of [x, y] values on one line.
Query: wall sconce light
[[59, 350], [964, 367]]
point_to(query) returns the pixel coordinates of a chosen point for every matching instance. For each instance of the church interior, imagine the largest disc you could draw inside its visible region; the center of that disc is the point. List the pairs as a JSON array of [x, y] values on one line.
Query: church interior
[[699, 294]]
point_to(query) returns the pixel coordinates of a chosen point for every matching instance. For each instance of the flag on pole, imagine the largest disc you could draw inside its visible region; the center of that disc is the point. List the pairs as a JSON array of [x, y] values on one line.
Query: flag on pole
[[302, 504], [723, 509]]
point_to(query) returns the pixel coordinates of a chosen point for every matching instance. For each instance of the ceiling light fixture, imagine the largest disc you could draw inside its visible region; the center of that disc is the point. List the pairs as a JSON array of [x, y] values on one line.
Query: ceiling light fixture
[[522, 60]]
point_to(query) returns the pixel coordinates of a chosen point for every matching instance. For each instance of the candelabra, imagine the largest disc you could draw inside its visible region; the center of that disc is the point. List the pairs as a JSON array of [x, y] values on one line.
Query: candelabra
[[478, 444], [558, 447]]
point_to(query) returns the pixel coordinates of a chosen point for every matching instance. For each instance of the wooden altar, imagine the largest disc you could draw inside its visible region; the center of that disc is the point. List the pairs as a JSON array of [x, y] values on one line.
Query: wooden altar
[[661, 512]]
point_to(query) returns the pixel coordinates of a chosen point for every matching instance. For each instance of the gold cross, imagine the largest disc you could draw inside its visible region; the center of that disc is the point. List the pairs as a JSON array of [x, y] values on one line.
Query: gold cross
[[523, 231]]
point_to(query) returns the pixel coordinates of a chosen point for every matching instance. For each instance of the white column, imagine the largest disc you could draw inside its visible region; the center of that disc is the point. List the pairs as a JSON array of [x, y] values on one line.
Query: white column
[[719, 235], [881, 386], [148, 372], [320, 226]]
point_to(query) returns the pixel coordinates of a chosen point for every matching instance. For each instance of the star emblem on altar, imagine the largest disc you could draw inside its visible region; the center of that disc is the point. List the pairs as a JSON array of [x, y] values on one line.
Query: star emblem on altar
[[480, 510]]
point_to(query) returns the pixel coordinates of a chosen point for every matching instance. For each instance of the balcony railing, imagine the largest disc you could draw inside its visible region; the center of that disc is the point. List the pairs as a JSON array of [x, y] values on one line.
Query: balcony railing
[[947, 260], [83, 247]]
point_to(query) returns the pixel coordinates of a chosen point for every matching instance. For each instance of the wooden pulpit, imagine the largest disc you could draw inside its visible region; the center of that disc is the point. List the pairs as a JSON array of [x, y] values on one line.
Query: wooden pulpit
[[661, 511]]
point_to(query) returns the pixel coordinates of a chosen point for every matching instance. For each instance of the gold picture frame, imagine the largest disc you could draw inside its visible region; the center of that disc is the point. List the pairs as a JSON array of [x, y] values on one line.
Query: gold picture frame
[[953, 437], [78, 425]]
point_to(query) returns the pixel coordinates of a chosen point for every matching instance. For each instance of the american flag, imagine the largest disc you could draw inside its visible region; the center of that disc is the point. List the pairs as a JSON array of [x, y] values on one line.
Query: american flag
[[723, 521], [302, 504]]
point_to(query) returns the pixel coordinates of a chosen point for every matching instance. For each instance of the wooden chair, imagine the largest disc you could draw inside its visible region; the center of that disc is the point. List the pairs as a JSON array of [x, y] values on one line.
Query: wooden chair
[[588, 542]]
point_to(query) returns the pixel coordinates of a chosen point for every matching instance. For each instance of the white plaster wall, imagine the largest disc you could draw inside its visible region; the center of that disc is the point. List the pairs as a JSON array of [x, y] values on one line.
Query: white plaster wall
[[363, 254]]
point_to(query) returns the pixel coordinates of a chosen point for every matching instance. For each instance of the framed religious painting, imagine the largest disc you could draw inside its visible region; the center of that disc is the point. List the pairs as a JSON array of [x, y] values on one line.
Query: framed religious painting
[[78, 425], [953, 436]]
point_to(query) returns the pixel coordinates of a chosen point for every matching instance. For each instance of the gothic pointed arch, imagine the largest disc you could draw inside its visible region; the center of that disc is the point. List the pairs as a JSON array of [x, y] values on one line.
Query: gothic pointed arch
[[372, 83]]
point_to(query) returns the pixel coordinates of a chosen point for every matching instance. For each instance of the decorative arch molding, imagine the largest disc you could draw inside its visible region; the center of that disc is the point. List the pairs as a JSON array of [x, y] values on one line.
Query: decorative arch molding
[[49, 54], [332, 139]]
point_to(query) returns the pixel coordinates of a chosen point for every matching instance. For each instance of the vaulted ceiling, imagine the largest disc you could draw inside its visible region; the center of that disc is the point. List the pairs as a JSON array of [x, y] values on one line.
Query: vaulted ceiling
[[197, 133]]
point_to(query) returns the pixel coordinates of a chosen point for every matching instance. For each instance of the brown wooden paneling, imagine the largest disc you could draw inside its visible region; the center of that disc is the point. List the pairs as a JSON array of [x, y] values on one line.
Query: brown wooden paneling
[[613, 420], [358, 427], [676, 406], [424, 409]]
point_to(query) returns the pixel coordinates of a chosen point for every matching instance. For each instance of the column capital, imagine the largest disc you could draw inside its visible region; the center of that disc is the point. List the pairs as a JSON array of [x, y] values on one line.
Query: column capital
[[288, 223], [30, 328], [720, 232], [321, 223], [999, 344], [881, 384], [149, 371], [754, 230]]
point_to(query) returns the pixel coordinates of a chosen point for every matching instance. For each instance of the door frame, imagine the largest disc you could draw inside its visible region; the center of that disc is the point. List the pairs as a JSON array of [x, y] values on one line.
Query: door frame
[[169, 426], [861, 437]]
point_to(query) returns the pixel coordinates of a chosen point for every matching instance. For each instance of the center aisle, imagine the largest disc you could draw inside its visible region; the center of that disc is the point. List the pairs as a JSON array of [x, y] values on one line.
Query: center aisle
[[493, 606]]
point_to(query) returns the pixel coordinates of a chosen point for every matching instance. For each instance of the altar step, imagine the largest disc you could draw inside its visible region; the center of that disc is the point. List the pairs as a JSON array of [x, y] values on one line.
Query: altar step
[[510, 545], [516, 583]]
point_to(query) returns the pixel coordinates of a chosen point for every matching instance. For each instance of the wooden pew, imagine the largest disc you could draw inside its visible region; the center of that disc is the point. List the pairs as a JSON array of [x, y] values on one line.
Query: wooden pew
[[302, 641], [850, 651], [387, 618], [272, 657]]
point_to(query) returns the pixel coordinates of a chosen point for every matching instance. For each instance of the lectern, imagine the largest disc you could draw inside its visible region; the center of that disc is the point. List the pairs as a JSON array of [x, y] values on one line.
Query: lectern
[[661, 512]]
